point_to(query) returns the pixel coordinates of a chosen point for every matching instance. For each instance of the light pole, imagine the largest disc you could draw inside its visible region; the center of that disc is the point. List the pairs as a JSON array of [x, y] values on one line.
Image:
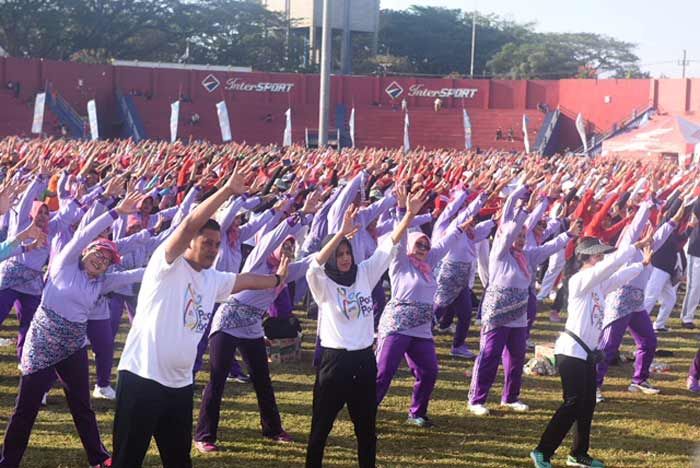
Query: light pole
[[471, 68], [325, 88]]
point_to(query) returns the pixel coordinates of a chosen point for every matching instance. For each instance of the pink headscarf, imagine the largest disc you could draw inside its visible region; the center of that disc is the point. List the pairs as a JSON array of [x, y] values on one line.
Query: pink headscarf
[[232, 234], [273, 260], [421, 265], [522, 261], [133, 220], [36, 206], [105, 246]]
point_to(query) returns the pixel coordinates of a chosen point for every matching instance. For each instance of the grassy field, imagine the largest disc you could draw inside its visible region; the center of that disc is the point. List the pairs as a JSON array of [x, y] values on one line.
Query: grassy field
[[628, 429]]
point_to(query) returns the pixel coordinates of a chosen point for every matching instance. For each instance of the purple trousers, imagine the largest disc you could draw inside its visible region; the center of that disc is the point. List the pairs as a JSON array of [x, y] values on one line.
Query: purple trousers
[[26, 305], [116, 309], [99, 333], [510, 344], [694, 372], [202, 348], [461, 307], [223, 347], [422, 360], [282, 306], [642, 331], [73, 372], [531, 309]]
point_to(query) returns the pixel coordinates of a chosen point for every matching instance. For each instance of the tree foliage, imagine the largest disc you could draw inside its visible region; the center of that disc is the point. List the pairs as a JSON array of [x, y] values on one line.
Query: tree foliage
[[420, 39]]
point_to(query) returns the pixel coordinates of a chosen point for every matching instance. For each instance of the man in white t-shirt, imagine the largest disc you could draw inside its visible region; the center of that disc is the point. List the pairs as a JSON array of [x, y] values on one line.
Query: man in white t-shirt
[[175, 304]]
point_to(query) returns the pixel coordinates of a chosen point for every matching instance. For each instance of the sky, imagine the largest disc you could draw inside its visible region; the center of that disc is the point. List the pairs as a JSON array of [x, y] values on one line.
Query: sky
[[661, 29]]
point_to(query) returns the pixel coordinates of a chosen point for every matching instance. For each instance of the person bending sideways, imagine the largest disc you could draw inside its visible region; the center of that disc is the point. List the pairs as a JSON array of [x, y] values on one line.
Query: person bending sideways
[[347, 372], [176, 300]]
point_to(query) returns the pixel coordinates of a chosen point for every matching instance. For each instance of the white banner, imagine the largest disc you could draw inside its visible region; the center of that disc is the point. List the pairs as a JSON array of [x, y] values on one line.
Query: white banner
[[467, 130], [287, 137], [406, 140], [174, 116], [224, 123], [38, 120], [526, 137], [581, 127], [92, 118], [352, 126]]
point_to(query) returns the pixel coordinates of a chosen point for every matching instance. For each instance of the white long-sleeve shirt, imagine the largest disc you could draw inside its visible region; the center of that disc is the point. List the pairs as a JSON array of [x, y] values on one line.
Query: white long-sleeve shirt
[[345, 315], [587, 291]]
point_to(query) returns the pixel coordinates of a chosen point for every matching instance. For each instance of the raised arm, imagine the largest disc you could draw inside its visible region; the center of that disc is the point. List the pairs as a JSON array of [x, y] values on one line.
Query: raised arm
[[344, 200], [178, 242]]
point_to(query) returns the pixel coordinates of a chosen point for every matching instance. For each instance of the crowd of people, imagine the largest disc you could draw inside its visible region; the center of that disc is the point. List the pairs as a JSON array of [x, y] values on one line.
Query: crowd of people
[[200, 243]]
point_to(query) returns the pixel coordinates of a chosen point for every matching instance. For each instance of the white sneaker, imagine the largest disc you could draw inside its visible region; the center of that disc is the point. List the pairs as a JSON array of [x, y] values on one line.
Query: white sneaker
[[517, 406], [599, 398], [644, 387], [478, 410], [44, 398], [104, 393], [6, 342]]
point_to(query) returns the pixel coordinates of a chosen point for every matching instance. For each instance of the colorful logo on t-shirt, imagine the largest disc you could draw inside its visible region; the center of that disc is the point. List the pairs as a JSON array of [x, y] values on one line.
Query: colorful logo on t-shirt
[[353, 304], [195, 318], [597, 315]]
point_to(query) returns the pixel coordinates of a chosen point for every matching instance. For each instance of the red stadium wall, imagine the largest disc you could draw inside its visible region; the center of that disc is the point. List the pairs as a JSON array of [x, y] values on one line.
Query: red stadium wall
[[257, 101]]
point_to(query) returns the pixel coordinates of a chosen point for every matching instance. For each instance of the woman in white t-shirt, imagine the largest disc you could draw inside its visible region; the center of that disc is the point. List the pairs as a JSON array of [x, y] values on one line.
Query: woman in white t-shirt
[[347, 372], [597, 277]]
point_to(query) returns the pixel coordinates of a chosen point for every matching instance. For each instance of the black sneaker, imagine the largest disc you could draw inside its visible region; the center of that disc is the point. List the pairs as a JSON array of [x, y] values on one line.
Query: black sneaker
[[689, 325]]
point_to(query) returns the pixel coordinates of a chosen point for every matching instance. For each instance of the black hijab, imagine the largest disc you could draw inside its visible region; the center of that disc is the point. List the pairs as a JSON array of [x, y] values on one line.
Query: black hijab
[[347, 278]]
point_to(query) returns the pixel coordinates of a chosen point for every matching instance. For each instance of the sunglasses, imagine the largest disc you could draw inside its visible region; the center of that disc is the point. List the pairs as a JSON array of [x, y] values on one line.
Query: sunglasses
[[424, 246]]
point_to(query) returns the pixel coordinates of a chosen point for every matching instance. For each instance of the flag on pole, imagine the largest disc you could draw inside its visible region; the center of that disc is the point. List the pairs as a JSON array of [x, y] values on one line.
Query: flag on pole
[[526, 137], [92, 118], [174, 116], [224, 123], [467, 130], [581, 127], [406, 140], [38, 119], [287, 137], [352, 126]]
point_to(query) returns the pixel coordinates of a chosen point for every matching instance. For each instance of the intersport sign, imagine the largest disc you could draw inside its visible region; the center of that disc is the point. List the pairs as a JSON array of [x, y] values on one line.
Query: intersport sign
[[419, 90], [238, 84]]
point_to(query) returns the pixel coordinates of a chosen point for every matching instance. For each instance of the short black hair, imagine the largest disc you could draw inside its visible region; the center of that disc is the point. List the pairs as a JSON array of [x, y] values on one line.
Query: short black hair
[[210, 224]]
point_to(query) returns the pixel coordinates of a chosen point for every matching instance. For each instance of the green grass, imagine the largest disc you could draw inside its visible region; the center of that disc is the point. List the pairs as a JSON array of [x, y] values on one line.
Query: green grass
[[628, 429]]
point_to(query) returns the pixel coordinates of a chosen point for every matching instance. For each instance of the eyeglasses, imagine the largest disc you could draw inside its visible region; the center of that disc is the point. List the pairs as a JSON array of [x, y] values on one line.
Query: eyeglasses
[[102, 258], [422, 246]]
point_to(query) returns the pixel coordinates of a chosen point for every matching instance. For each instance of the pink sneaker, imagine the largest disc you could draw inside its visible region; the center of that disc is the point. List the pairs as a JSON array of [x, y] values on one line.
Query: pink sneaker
[[206, 447], [282, 438], [693, 385]]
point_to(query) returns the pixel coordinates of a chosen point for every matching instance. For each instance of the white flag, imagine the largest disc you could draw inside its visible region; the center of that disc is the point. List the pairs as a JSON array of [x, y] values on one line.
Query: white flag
[[406, 140], [174, 116], [224, 123], [38, 120], [581, 127], [526, 137], [287, 137], [92, 118], [467, 130], [352, 126]]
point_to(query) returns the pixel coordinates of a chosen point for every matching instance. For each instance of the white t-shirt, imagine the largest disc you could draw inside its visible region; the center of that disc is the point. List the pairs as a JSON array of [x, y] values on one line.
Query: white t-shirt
[[175, 305], [345, 314], [587, 291]]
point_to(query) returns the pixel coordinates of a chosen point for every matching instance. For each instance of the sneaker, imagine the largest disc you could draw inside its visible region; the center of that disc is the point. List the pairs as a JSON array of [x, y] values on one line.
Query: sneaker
[[105, 464], [599, 398], [463, 352], [517, 406], [6, 342], [540, 461], [693, 385], [104, 393], [205, 447], [688, 325], [478, 410], [44, 398], [554, 317], [419, 421], [240, 378], [450, 330], [584, 461], [282, 438], [661, 330], [644, 387], [530, 345]]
